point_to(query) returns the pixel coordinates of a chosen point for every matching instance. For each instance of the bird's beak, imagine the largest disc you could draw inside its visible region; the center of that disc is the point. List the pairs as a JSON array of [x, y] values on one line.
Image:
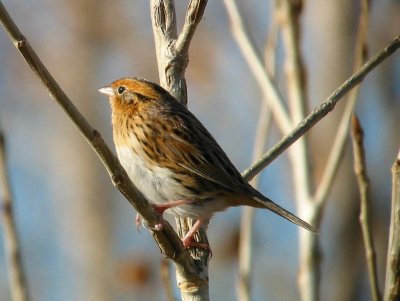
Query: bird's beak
[[107, 91]]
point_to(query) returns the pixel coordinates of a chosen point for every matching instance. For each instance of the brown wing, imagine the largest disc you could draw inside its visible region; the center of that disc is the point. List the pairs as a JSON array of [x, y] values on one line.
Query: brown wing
[[192, 147]]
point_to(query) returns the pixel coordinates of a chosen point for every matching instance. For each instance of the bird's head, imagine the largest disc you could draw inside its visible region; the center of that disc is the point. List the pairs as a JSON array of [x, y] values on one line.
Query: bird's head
[[132, 92]]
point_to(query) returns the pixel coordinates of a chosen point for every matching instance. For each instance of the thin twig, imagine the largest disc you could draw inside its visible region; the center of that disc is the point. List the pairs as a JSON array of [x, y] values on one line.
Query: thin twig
[[245, 254], [297, 94], [253, 58], [360, 169], [392, 281], [246, 223], [294, 65], [323, 109], [263, 126], [168, 241], [194, 15], [16, 273], [336, 154], [271, 43], [299, 154]]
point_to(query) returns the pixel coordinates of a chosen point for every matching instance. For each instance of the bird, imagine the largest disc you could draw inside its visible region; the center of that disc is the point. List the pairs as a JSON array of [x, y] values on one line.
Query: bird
[[173, 160]]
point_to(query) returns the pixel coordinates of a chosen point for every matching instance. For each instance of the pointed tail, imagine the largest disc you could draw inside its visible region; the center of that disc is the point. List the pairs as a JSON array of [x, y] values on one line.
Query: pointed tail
[[267, 203]]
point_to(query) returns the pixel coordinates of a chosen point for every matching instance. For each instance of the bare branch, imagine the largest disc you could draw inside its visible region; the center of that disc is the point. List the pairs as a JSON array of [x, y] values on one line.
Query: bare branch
[[16, 273], [246, 224], [336, 154], [171, 50], [294, 65], [360, 170], [168, 241], [297, 90], [194, 15], [253, 58], [299, 154], [323, 109], [263, 126], [392, 281]]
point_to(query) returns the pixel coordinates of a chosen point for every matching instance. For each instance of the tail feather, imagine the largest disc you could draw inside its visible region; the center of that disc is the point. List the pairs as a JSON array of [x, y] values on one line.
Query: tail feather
[[267, 203]]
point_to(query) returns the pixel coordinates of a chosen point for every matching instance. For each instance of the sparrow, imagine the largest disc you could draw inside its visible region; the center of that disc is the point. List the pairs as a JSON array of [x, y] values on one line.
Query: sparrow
[[173, 160]]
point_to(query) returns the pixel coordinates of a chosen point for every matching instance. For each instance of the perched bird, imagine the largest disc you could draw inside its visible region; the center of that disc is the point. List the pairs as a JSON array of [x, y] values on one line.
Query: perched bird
[[172, 158]]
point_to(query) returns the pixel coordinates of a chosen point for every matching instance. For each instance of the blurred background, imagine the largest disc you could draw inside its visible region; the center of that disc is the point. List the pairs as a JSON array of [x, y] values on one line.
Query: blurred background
[[77, 232]]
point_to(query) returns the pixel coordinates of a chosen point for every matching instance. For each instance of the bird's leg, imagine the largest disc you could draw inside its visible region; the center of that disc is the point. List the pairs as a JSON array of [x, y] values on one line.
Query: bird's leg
[[159, 209], [188, 240]]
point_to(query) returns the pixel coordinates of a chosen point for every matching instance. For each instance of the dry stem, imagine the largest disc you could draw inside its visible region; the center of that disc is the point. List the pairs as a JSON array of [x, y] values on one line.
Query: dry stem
[[253, 58], [392, 282], [321, 110], [263, 126], [360, 170], [309, 249], [246, 224], [16, 274], [336, 154]]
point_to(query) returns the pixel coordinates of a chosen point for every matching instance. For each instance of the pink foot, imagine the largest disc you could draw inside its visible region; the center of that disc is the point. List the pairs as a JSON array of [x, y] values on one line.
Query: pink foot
[[189, 242], [160, 208], [138, 221]]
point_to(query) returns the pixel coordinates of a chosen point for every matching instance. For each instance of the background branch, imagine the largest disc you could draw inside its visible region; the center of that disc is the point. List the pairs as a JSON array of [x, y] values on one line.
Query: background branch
[[392, 281], [340, 142], [299, 154], [16, 273], [360, 169], [321, 110], [246, 223], [253, 58], [244, 291], [166, 280]]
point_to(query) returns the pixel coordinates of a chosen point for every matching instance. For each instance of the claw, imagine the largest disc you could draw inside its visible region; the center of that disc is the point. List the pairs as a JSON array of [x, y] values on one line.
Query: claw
[[138, 221], [160, 208], [189, 242]]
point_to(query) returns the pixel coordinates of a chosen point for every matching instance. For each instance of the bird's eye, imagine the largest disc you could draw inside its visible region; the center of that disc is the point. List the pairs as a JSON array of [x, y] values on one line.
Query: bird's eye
[[121, 89]]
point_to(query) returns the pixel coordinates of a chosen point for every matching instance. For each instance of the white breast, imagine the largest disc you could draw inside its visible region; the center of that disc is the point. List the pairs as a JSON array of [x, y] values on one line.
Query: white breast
[[156, 183], [158, 186]]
